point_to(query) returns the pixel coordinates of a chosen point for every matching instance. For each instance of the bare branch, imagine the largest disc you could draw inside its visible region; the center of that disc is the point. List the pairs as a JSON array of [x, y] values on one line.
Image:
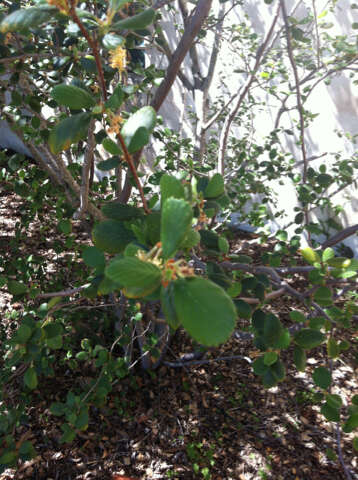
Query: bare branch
[[262, 50], [340, 236]]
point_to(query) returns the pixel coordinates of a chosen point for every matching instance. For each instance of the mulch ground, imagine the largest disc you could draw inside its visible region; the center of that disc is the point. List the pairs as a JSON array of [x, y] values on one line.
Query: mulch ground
[[207, 421]]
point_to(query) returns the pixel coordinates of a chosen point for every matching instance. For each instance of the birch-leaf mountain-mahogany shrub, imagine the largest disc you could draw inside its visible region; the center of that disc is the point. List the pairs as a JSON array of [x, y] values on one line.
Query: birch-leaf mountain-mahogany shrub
[[157, 253]]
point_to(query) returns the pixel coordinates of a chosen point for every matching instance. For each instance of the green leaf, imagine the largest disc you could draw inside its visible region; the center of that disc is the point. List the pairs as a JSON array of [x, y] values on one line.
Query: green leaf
[[327, 254], [339, 262], [152, 227], [323, 296], [111, 41], [309, 338], [109, 164], [72, 97], [111, 147], [333, 349], [121, 211], [170, 187], [167, 302], [333, 400], [16, 288], [310, 255], [57, 409], [53, 330], [259, 366], [176, 220], [205, 310], [69, 131], [137, 277], [209, 239], [116, 99], [297, 316], [8, 457], [22, 19], [65, 226], [270, 358], [115, 5], [224, 245], [322, 377], [355, 439], [137, 128], [272, 329], [137, 22], [69, 434], [111, 236], [330, 413], [351, 423], [55, 343], [94, 258], [82, 420], [23, 334], [299, 358], [191, 239], [243, 309], [30, 378], [234, 290], [215, 187]]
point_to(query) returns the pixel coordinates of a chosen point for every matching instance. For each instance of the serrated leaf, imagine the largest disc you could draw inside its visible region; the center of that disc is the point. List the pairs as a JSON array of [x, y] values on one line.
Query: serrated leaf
[[23, 334], [108, 164], [55, 343], [272, 329], [111, 41], [323, 296], [224, 245], [72, 97], [351, 423], [69, 131], [137, 22], [327, 254], [333, 349], [57, 409], [30, 378], [111, 236], [23, 19], [322, 377], [167, 302], [121, 211], [170, 187], [176, 220], [243, 309], [137, 277], [330, 413], [191, 239], [299, 358], [53, 330], [309, 338], [116, 99], [297, 316], [310, 255], [205, 310], [94, 258], [16, 288], [111, 147], [335, 401], [138, 127], [215, 187], [270, 358]]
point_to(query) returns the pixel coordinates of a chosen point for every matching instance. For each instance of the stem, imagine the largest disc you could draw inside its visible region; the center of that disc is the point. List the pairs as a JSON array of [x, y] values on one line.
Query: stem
[[94, 46], [133, 169]]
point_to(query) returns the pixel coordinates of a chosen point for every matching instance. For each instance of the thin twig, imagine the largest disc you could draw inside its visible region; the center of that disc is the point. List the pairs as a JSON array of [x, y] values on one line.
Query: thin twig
[[204, 362], [340, 453]]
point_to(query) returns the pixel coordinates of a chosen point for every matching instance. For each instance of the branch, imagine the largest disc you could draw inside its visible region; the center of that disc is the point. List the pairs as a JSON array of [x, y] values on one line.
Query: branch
[[133, 170], [298, 91], [340, 236], [230, 118], [63, 293], [203, 362], [340, 453], [201, 12], [86, 173]]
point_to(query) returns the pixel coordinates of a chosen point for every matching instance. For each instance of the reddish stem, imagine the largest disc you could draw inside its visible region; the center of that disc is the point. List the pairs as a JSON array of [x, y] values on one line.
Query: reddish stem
[[93, 44], [132, 167]]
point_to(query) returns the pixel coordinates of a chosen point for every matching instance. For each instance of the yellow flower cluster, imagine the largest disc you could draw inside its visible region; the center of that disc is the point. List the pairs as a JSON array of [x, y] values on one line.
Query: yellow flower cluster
[[116, 124], [119, 58], [62, 5]]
